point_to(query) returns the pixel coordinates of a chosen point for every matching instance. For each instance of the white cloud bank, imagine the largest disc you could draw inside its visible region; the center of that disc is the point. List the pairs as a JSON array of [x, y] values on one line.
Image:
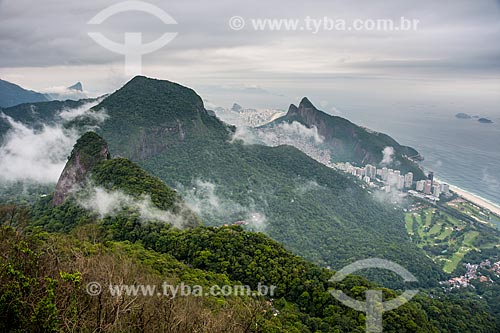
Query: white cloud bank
[[204, 201], [110, 203], [281, 134], [39, 155]]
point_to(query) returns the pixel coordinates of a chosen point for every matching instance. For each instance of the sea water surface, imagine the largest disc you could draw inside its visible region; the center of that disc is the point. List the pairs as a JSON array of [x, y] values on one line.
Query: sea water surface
[[462, 152]]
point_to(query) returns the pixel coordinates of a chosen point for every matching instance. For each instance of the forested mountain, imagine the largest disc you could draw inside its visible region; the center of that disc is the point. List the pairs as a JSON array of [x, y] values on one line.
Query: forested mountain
[[94, 181], [11, 94], [45, 275], [349, 142], [313, 210], [37, 115]]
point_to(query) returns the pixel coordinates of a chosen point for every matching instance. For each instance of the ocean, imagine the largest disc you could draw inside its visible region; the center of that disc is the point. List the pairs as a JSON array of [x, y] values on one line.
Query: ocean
[[462, 152]]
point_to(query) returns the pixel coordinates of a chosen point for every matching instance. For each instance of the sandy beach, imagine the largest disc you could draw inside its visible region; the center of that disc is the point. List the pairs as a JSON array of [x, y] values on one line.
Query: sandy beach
[[476, 200]]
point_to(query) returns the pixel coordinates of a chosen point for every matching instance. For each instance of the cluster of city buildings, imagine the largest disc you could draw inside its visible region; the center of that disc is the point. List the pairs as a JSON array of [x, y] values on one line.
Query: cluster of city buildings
[[247, 117], [386, 178], [431, 187], [255, 118], [391, 180], [464, 280], [275, 138], [473, 274], [492, 267]]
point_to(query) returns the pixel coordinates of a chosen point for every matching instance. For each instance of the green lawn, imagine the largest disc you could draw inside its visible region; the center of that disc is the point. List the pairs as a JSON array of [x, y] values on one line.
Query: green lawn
[[428, 217], [456, 222], [470, 237], [446, 232], [435, 228], [409, 223]]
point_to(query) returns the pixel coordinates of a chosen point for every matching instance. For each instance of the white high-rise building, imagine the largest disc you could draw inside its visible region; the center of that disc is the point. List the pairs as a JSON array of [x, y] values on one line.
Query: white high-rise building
[[370, 171], [428, 186], [445, 188], [408, 179], [436, 190], [373, 171], [385, 173], [392, 178], [401, 182], [421, 185], [360, 172]]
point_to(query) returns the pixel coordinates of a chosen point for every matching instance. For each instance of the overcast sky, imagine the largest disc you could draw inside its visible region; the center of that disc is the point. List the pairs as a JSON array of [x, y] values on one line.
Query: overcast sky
[[454, 55]]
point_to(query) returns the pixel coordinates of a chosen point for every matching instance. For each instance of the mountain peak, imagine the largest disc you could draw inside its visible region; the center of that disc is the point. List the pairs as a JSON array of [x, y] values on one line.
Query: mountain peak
[[155, 113], [88, 151], [306, 103], [292, 110], [236, 107], [77, 86], [142, 88], [305, 107], [153, 101]]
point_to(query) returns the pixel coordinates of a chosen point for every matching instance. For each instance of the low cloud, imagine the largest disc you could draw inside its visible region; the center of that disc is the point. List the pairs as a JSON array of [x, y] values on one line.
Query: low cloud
[[203, 199], [392, 197], [305, 187], [308, 140], [296, 130], [388, 156], [282, 134], [109, 203], [98, 117], [247, 135], [64, 93], [490, 181], [38, 155]]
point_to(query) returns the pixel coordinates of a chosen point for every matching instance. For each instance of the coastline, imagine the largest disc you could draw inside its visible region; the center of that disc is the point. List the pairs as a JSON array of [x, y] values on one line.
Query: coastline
[[469, 196], [477, 200]]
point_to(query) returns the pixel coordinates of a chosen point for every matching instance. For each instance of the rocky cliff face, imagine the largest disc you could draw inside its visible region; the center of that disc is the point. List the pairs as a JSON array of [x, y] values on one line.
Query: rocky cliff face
[[89, 150], [342, 135], [147, 117], [349, 142], [330, 127]]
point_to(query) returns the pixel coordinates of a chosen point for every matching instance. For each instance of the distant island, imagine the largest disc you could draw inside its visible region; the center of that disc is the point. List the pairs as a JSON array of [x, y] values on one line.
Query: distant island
[[485, 121], [462, 115]]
